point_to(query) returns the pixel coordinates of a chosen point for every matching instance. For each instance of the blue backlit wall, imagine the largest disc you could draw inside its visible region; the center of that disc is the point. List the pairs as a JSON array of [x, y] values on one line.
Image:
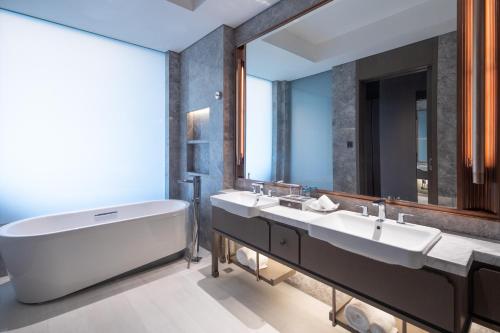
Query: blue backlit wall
[[311, 150], [82, 120], [259, 128]]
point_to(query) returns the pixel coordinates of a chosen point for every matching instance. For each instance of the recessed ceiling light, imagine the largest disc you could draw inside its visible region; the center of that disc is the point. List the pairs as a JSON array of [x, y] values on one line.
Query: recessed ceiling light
[[191, 5]]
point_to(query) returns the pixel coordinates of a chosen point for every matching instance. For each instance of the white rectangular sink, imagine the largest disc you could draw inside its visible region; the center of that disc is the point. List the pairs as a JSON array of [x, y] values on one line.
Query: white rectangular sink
[[244, 204], [389, 242]]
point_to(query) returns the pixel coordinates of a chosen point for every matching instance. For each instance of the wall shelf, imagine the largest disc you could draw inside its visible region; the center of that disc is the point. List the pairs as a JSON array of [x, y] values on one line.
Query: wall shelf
[[196, 142], [196, 173], [198, 158], [198, 145], [198, 125]]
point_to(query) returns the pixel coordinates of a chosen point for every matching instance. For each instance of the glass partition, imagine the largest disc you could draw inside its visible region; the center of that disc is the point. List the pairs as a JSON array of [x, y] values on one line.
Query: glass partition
[[82, 120]]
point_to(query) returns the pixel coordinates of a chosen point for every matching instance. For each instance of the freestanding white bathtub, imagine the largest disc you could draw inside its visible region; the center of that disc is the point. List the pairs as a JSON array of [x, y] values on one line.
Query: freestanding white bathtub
[[51, 256]]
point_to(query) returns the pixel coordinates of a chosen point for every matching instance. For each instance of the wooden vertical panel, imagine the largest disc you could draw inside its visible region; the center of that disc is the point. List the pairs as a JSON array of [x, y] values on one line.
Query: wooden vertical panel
[[477, 15], [461, 103], [491, 97], [496, 142], [490, 84], [464, 78]]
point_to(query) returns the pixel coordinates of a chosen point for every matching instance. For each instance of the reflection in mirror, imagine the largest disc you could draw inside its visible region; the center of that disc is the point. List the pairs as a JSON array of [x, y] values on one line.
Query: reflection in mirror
[[362, 102]]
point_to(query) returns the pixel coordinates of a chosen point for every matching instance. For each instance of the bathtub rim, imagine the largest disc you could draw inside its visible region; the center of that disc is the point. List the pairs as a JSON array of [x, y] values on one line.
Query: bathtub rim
[[4, 228]]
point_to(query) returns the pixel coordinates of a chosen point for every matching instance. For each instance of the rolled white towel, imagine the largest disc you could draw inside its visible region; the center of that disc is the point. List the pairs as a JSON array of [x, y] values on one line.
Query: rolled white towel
[[242, 255], [252, 261], [384, 323], [356, 314], [366, 318], [326, 203]]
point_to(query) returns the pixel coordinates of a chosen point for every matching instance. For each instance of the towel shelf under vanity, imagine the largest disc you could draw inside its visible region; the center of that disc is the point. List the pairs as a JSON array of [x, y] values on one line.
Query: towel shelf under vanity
[[256, 233], [273, 274], [401, 326]]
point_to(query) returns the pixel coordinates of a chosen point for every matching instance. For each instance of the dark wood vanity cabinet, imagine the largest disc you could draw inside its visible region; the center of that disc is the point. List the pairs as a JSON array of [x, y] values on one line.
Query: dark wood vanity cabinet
[[486, 295], [285, 243], [254, 231], [436, 300], [427, 295]]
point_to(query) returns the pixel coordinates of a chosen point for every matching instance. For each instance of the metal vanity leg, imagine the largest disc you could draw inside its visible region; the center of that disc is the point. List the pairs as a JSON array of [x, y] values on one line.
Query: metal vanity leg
[[333, 314], [228, 250], [215, 254], [257, 268], [222, 249], [405, 326]]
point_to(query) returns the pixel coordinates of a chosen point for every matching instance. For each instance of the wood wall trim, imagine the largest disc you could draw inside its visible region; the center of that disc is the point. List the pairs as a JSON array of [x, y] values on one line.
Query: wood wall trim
[[280, 24], [401, 203], [461, 87], [497, 104]]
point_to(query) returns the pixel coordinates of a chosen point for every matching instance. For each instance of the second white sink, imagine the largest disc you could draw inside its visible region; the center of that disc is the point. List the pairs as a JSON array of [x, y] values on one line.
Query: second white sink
[[243, 203], [388, 241]]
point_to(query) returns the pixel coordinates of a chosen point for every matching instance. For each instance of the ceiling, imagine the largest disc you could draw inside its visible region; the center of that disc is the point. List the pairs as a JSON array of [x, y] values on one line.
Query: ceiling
[[157, 24], [347, 30]]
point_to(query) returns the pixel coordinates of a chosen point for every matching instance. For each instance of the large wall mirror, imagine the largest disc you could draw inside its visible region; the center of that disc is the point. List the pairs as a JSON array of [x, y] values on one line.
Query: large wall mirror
[[362, 102]]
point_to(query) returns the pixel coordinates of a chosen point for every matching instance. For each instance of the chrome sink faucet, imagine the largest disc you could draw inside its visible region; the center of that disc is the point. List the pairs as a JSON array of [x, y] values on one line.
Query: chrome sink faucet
[[260, 186], [381, 209], [401, 218], [364, 210]]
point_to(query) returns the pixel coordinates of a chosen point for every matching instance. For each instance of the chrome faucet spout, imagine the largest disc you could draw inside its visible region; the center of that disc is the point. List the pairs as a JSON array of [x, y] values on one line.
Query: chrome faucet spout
[[381, 209]]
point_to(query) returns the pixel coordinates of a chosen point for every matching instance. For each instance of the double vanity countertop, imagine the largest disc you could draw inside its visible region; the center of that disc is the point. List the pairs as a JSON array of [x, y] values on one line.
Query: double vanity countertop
[[453, 253]]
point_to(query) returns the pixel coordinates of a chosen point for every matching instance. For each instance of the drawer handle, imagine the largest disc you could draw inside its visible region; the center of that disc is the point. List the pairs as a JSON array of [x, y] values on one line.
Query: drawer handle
[[283, 242]]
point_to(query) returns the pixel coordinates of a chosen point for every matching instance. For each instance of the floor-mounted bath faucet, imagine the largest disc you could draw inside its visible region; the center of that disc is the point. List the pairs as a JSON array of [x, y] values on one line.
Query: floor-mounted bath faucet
[[195, 245]]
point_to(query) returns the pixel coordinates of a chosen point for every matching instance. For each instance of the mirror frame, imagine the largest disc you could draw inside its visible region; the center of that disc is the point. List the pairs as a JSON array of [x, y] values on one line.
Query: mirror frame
[[474, 200]]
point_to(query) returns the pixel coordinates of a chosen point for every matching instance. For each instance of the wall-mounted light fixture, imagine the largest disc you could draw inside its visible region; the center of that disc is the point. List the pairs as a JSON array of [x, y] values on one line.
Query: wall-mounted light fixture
[[490, 82], [479, 174], [481, 80], [240, 111]]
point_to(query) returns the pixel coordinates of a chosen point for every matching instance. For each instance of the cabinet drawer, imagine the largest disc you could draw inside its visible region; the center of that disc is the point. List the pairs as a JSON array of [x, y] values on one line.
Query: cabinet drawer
[[427, 295], [254, 231], [285, 243], [486, 294]]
